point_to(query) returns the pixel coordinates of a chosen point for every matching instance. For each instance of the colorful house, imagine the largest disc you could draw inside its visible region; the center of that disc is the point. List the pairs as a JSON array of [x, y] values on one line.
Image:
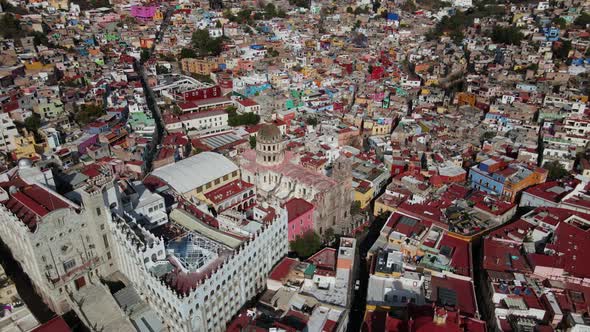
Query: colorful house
[[300, 214], [498, 178]]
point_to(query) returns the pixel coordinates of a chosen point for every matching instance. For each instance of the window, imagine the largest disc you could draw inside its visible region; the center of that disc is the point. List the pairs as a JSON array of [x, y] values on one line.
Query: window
[[98, 212], [69, 264], [105, 240], [109, 256]]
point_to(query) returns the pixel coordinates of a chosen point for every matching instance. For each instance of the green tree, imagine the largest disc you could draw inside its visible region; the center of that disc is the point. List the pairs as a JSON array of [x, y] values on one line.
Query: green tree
[[252, 141], [582, 20], [88, 113], [270, 10], [229, 15], [457, 37], [355, 208], [488, 135], [507, 35], [562, 49], [162, 70], [409, 6], [329, 235], [10, 27], [144, 55], [188, 53], [349, 10], [312, 121], [244, 16], [306, 245], [176, 110], [33, 123], [560, 22], [203, 44], [376, 5], [556, 171], [356, 25]]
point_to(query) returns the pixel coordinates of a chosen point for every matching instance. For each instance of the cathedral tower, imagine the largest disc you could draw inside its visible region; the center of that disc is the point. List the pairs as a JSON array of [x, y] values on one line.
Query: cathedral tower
[[269, 146]]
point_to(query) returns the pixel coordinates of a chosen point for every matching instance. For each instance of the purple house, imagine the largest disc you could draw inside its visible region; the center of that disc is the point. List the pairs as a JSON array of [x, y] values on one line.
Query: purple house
[[85, 141], [143, 12]]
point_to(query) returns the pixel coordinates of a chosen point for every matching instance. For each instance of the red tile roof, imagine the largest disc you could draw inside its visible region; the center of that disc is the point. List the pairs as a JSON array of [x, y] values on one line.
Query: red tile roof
[[228, 190], [324, 259], [32, 202], [297, 207], [282, 269], [56, 324]]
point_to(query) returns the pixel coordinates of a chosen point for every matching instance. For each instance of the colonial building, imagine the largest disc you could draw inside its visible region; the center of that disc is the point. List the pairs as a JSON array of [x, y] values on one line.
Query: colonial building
[[59, 244], [277, 178]]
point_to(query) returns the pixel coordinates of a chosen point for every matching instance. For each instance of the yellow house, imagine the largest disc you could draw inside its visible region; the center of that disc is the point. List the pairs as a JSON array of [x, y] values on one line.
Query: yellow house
[[36, 65], [59, 4], [380, 129], [363, 193], [25, 147]]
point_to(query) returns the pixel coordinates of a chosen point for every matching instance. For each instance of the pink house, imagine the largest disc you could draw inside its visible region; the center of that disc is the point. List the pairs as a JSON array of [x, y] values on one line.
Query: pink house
[[143, 12], [300, 214]]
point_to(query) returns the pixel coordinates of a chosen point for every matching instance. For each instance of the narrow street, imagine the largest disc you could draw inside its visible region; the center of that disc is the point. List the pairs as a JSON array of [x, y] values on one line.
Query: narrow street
[[357, 309], [151, 100]]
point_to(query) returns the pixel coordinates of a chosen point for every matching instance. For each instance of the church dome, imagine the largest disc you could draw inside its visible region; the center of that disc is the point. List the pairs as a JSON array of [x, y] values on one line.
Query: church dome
[[269, 133]]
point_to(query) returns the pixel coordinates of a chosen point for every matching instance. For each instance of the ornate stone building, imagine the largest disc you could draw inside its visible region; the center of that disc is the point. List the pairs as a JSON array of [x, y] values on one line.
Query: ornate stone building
[[61, 245], [278, 178]]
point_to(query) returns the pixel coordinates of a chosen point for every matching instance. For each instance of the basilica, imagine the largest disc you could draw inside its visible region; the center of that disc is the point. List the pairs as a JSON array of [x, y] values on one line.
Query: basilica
[[278, 177]]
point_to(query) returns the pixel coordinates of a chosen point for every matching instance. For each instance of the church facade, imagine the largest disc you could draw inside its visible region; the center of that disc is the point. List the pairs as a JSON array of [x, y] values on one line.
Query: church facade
[[278, 177]]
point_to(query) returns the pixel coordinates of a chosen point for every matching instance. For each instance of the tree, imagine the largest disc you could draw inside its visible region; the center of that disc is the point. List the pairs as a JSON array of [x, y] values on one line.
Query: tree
[[376, 6], [507, 35], [556, 170], [176, 110], [355, 208], [306, 245], [562, 49], [252, 141], [488, 135], [88, 113], [349, 10], [203, 44], [144, 55], [560, 22], [312, 121], [409, 6], [357, 25], [329, 235], [583, 19], [10, 27], [33, 123], [457, 37], [162, 70], [188, 53]]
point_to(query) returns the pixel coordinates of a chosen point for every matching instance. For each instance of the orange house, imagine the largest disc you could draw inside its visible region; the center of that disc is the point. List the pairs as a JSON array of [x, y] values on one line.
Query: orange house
[[464, 98]]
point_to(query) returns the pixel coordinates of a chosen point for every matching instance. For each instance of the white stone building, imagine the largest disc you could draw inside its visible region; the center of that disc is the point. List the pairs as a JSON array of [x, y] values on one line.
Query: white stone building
[[199, 294], [60, 245]]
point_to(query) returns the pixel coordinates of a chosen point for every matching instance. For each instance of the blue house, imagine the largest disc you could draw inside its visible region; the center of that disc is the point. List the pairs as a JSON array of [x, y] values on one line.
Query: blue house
[[485, 178], [551, 34]]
